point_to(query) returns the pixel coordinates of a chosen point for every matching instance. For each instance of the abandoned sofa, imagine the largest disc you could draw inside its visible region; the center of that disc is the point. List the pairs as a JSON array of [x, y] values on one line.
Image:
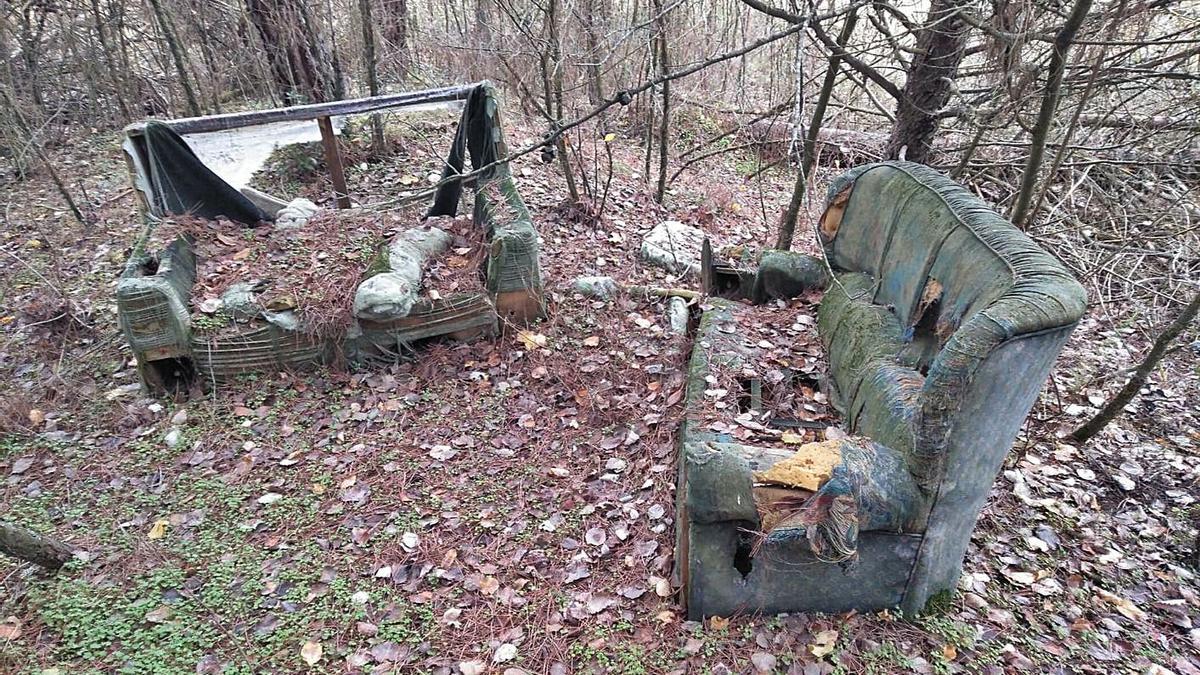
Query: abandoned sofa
[[154, 290], [940, 323]]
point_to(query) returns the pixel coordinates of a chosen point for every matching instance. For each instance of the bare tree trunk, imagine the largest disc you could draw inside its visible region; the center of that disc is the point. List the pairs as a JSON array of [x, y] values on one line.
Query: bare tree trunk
[[927, 88], [177, 55], [1050, 95], [290, 39], [27, 545], [273, 47], [1077, 117], [787, 228], [368, 35], [595, 87], [1148, 364], [198, 24], [32, 30], [651, 69], [339, 81], [552, 78], [664, 121], [394, 28], [36, 145]]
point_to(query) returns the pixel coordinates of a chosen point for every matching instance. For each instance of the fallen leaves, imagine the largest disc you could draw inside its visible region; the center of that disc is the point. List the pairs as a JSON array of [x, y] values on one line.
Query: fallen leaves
[[662, 587], [472, 667], [824, 643], [159, 529], [311, 652], [489, 585], [160, 614], [11, 629], [1126, 607], [21, 465], [532, 341], [1019, 577], [596, 536], [504, 653], [563, 507], [763, 662]]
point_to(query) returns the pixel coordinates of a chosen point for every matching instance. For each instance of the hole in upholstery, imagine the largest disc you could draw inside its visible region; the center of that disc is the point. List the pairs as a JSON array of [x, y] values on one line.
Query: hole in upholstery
[[149, 266], [750, 396], [923, 337], [795, 402], [743, 560], [171, 376]]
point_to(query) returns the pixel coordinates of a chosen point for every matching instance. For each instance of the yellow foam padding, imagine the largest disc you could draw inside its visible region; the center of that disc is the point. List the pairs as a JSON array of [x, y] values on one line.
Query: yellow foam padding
[[810, 466]]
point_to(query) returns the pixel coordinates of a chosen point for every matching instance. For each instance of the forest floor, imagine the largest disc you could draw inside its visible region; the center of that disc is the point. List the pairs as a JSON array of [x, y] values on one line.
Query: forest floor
[[507, 505]]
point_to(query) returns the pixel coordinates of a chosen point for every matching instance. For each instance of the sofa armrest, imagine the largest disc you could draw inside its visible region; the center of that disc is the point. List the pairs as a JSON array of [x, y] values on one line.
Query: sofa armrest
[[868, 487], [788, 274], [719, 485]]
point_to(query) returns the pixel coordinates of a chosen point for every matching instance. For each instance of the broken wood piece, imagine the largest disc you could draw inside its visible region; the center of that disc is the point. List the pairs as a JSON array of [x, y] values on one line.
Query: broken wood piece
[[776, 504], [606, 287], [660, 292], [30, 546], [333, 160], [722, 278], [355, 106], [520, 306]]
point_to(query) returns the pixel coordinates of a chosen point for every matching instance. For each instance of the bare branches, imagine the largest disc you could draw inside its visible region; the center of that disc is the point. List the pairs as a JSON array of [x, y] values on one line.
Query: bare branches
[[815, 23], [1148, 364], [1050, 96]]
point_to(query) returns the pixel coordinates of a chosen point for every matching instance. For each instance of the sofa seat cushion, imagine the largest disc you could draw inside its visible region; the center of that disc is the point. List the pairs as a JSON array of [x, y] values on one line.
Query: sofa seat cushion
[[884, 406], [862, 340], [855, 332]]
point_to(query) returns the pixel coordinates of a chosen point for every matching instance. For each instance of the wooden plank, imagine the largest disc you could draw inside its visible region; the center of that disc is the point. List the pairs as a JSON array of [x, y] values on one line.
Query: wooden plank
[[333, 160], [357, 106]]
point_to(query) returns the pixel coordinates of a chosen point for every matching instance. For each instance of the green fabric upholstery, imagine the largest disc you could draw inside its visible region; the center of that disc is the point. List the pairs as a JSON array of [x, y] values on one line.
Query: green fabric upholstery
[[720, 485], [941, 324], [995, 282], [885, 406], [857, 334]]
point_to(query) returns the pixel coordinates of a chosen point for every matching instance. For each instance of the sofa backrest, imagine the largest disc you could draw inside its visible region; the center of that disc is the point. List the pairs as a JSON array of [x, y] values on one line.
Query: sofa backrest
[[959, 278], [920, 236]]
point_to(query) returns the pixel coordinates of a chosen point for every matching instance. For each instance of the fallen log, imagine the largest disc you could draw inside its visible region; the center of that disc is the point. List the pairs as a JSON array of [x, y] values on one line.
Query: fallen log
[[27, 545], [1158, 122], [849, 145]]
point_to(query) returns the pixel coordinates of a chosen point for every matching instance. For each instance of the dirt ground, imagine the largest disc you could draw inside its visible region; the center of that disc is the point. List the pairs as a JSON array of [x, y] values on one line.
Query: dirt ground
[[507, 506]]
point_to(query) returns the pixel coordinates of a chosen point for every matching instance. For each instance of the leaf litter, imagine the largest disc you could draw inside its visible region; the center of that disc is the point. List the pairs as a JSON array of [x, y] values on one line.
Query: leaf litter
[[535, 475]]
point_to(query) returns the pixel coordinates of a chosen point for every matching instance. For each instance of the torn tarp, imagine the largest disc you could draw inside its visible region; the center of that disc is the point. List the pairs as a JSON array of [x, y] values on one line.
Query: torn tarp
[[180, 184]]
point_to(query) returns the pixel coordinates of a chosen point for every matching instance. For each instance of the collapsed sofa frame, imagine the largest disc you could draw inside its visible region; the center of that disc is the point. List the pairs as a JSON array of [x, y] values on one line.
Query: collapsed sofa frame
[[154, 290]]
